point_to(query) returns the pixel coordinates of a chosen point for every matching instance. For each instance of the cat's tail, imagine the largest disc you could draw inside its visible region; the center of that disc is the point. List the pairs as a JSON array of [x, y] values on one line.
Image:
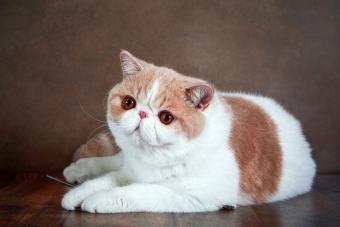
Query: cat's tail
[[100, 145]]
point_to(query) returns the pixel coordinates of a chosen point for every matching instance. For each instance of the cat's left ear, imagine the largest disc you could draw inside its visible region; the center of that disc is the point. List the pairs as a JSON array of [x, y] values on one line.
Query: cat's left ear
[[200, 95], [130, 64]]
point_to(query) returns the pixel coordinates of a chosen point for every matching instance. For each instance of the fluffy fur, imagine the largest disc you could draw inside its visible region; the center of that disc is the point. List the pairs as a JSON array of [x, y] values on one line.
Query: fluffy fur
[[193, 164]]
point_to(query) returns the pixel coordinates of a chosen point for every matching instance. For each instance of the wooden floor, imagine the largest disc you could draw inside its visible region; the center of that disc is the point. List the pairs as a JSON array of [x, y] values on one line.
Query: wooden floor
[[32, 199]]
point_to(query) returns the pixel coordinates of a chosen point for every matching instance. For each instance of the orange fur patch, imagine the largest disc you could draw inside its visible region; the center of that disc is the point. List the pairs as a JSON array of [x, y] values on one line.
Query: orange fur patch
[[172, 97], [257, 149], [100, 145]]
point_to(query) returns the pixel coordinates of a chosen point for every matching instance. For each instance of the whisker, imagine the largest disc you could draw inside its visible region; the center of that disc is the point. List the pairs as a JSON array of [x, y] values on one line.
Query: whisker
[[91, 134], [88, 114], [94, 130], [107, 132]]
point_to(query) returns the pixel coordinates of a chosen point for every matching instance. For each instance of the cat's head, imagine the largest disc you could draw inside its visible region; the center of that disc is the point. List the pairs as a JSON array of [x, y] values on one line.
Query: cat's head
[[155, 106]]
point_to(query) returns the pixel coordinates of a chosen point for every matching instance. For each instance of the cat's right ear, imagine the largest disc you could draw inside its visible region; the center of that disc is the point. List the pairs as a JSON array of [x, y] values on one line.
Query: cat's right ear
[[130, 64], [200, 95]]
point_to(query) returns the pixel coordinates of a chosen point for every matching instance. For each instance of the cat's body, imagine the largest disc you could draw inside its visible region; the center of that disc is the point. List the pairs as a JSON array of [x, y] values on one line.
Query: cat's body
[[188, 148]]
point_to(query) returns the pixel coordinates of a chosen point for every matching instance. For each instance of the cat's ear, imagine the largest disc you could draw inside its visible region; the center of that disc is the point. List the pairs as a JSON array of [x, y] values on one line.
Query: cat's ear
[[130, 64], [200, 95]]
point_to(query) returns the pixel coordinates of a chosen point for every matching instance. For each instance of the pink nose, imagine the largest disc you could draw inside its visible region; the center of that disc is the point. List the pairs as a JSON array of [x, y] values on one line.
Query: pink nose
[[143, 114]]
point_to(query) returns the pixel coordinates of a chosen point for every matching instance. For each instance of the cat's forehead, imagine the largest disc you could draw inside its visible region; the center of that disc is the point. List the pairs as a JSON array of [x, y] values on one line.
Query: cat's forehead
[[158, 86], [138, 85]]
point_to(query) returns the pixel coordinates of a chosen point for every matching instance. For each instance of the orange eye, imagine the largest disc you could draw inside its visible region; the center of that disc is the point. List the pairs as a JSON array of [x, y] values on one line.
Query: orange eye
[[128, 103], [165, 117]]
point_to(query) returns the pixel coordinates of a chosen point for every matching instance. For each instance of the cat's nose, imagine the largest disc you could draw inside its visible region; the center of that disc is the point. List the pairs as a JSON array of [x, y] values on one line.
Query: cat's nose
[[143, 114]]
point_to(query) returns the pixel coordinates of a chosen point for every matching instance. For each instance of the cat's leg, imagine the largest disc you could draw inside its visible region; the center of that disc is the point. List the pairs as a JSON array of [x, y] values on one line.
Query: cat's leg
[[75, 197], [88, 168], [141, 197], [207, 190], [155, 198]]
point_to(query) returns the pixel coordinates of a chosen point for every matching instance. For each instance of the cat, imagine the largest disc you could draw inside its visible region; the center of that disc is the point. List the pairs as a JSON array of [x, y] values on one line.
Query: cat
[[187, 147]]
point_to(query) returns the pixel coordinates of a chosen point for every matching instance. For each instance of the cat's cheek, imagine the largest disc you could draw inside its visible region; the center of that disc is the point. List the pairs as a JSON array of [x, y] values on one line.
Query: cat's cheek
[[129, 121], [115, 109], [167, 133]]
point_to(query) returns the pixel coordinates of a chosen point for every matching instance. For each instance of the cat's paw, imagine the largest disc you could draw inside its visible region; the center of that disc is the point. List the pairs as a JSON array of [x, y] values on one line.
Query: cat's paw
[[76, 173], [75, 197], [71, 200], [106, 202]]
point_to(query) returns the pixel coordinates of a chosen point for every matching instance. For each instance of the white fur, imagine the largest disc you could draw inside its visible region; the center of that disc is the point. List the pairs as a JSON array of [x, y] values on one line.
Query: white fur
[[161, 170]]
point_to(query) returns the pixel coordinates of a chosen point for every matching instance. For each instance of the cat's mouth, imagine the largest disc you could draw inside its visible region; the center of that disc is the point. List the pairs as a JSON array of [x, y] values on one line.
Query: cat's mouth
[[136, 129], [137, 132], [141, 140]]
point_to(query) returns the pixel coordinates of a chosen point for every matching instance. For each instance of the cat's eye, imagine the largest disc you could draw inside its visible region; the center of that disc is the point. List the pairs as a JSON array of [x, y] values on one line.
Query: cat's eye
[[128, 103], [166, 117]]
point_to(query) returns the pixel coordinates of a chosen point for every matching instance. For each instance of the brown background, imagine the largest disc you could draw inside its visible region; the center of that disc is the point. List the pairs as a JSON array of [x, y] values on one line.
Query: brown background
[[58, 55]]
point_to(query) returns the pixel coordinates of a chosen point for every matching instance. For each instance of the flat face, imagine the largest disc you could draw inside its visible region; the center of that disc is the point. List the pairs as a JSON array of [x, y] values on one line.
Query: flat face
[[159, 94]]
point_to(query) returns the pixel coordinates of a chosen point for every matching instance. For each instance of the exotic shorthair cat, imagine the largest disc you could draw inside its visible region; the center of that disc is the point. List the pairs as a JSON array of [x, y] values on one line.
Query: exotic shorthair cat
[[186, 147]]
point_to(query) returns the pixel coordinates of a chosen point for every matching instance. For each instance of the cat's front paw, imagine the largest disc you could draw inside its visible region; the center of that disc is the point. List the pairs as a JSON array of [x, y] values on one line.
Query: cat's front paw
[[74, 198], [76, 173], [107, 202], [70, 201]]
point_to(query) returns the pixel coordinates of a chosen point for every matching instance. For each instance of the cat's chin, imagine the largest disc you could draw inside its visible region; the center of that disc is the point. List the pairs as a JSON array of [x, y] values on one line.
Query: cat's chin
[[141, 142]]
